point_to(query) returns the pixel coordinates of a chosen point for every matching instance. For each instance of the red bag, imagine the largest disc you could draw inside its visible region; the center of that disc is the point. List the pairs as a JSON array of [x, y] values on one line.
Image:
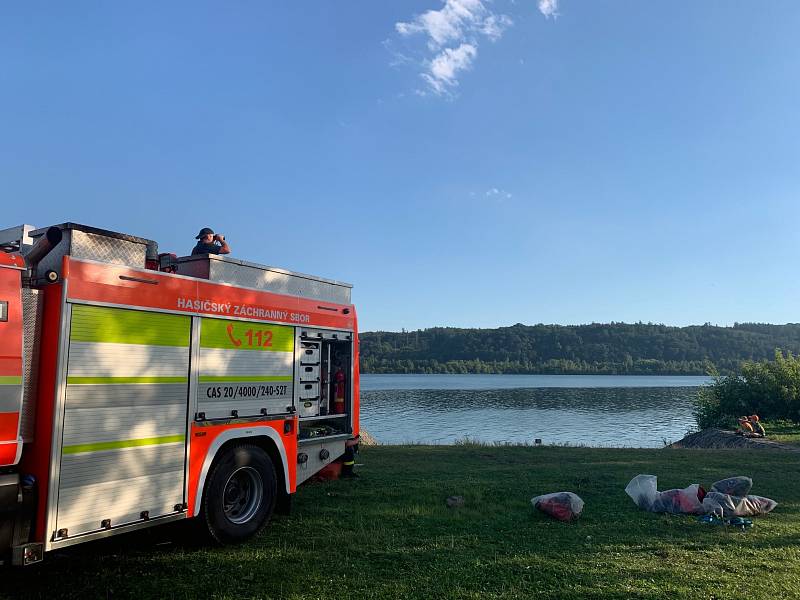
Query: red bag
[[564, 506]]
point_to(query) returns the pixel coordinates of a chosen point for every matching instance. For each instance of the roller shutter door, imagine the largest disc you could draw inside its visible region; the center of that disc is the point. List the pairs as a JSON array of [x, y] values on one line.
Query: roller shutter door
[[124, 438]]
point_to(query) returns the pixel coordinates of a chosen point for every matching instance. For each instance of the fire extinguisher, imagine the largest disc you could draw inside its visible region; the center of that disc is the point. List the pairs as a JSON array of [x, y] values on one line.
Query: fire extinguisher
[[338, 398]]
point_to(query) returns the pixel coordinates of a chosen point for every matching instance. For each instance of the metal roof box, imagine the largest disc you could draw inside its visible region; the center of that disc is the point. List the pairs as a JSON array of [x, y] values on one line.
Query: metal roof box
[[91, 243], [223, 269]]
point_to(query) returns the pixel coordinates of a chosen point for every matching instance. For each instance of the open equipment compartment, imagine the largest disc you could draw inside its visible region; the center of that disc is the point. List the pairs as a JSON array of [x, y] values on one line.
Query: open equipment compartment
[[324, 375], [325, 397]]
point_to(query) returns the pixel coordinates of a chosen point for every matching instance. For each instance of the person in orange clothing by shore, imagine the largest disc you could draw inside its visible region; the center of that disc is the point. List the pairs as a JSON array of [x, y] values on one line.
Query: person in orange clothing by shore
[[750, 426], [758, 428], [744, 425]]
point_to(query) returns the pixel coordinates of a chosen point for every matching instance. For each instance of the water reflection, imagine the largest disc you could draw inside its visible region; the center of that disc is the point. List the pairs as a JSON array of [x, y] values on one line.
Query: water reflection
[[635, 417]]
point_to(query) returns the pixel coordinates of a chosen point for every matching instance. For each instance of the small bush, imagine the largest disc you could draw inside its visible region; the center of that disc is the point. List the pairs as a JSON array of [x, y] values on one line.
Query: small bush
[[770, 389]]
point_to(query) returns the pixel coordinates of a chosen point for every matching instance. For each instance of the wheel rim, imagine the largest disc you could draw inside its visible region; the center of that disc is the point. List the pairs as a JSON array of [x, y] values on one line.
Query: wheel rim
[[242, 495]]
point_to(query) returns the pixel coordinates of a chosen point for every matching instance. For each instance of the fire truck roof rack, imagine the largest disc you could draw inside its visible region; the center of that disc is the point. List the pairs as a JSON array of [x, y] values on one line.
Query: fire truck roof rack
[[224, 269], [92, 243], [16, 239], [83, 241]]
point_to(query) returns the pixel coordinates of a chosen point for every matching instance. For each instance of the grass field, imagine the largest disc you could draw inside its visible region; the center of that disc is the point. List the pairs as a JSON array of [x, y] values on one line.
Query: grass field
[[390, 535], [784, 431]]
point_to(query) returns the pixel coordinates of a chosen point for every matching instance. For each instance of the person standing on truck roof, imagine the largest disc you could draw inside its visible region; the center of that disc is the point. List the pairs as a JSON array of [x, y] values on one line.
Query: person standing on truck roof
[[207, 243]]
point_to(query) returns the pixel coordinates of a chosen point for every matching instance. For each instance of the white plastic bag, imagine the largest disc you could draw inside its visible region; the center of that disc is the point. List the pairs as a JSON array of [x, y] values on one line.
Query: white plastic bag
[[734, 486], [726, 506], [564, 506], [642, 489]]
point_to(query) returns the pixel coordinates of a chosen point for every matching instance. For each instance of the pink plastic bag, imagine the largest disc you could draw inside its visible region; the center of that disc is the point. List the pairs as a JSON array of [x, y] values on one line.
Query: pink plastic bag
[[564, 506], [642, 489]]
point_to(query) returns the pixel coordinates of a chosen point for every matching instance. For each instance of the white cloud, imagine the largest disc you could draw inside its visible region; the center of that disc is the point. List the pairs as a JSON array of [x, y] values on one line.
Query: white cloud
[[453, 33], [497, 193], [448, 24], [444, 68], [549, 8], [495, 26]]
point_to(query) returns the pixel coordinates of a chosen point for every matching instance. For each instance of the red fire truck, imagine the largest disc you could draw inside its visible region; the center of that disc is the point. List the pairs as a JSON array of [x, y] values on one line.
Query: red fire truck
[[139, 388]]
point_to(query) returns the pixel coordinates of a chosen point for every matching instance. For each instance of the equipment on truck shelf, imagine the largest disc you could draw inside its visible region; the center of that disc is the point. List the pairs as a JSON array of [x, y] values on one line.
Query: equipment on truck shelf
[[139, 388]]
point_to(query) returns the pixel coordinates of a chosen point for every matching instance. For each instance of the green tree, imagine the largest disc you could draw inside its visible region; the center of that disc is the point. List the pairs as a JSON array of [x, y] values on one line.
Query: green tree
[[770, 389]]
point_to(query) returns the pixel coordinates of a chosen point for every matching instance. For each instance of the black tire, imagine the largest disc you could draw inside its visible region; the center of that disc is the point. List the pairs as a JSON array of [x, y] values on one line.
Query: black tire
[[239, 495]]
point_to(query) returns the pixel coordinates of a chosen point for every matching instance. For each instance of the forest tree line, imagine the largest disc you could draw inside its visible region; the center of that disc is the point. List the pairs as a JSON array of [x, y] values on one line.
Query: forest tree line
[[598, 348]]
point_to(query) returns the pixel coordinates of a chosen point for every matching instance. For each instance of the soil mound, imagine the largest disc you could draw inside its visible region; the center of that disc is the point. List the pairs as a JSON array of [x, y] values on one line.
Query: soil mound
[[367, 439], [719, 438]]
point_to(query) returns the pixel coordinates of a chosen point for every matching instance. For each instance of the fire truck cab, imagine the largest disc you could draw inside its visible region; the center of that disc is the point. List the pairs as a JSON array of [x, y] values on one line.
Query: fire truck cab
[[138, 388]]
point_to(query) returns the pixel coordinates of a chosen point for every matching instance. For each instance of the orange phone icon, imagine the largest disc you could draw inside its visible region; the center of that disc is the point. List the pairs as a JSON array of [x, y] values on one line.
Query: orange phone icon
[[236, 342]]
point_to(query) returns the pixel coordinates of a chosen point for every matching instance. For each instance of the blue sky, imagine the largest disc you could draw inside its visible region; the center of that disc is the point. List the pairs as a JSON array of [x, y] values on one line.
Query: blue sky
[[466, 163]]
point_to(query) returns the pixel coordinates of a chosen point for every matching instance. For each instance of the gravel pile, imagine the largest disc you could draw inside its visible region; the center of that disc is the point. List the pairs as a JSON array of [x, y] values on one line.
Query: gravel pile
[[719, 438]]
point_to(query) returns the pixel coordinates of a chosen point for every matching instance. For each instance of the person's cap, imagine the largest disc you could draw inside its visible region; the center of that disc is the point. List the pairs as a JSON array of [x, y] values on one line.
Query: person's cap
[[204, 231]]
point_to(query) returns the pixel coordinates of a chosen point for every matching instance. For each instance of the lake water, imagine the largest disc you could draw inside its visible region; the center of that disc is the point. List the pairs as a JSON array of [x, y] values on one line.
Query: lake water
[[590, 410]]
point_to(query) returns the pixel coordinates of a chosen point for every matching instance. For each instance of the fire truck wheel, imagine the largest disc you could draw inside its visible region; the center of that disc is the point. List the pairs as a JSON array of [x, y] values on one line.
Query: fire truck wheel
[[240, 494]]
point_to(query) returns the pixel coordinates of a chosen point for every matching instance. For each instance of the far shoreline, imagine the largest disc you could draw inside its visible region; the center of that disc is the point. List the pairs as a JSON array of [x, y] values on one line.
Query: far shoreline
[[478, 381]]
